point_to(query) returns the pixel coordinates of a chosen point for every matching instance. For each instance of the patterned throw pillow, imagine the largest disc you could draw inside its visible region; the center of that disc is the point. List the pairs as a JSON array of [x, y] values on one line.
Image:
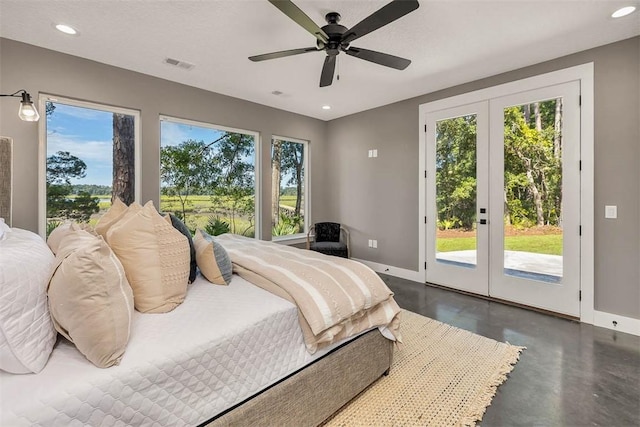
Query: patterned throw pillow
[[181, 227], [155, 257], [213, 261]]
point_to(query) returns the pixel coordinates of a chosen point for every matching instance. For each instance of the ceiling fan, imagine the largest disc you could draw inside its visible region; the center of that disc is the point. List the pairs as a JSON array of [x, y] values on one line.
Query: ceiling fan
[[334, 38]]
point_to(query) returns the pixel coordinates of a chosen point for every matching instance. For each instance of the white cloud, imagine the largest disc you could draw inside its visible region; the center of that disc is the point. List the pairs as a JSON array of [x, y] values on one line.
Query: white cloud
[[172, 134], [93, 151]]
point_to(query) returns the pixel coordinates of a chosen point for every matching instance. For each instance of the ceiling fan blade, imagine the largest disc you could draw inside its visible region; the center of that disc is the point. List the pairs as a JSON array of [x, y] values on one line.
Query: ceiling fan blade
[[294, 12], [282, 54], [326, 78], [383, 16], [379, 58]]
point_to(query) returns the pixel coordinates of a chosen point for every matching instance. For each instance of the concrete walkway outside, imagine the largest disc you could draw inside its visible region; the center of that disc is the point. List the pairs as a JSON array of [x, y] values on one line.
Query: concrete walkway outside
[[517, 263]]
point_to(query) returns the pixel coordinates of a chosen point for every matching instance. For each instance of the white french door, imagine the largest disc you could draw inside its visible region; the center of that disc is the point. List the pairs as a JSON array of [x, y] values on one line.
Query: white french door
[[503, 198]]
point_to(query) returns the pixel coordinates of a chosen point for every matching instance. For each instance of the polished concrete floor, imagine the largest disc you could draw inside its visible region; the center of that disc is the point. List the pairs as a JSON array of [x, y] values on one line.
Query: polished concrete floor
[[571, 374]]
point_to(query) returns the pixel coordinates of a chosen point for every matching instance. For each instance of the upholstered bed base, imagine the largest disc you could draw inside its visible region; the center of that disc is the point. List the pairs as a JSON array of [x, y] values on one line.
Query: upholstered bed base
[[311, 395]]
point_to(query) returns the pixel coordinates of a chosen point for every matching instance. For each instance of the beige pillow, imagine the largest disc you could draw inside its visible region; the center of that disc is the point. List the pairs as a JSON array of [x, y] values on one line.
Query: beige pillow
[[213, 261], [90, 300], [155, 257], [115, 212], [58, 233]]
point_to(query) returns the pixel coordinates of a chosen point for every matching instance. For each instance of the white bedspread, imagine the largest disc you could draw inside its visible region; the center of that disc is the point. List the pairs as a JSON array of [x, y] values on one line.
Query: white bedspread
[[222, 345]]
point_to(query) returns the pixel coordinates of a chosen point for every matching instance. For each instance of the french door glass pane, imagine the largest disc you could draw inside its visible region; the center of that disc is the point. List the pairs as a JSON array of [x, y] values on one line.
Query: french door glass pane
[[533, 190], [456, 182]]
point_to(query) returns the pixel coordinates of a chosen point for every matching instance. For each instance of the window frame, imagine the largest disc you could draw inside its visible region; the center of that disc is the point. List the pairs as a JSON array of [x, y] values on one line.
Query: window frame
[[256, 161], [42, 147], [298, 237]]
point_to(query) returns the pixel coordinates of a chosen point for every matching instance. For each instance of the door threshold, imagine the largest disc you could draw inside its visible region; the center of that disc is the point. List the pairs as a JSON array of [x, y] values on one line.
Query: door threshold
[[506, 302]]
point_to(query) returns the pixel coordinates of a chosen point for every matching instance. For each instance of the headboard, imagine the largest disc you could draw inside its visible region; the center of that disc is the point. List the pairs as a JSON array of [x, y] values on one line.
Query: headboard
[[5, 178]]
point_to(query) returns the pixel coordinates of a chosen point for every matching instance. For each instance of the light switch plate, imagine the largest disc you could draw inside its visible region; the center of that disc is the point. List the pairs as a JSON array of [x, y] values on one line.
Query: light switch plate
[[611, 212]]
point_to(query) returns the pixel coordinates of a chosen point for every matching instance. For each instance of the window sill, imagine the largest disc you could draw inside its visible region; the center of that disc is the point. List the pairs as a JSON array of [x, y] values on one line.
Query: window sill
[[293, 239]]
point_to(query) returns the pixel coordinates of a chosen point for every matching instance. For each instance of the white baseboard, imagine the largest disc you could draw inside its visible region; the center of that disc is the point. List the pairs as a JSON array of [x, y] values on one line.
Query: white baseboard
[[624, 324], [392, 271]]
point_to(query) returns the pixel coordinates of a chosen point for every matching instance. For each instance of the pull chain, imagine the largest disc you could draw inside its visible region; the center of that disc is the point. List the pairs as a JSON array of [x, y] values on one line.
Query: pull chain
[[338, 65]]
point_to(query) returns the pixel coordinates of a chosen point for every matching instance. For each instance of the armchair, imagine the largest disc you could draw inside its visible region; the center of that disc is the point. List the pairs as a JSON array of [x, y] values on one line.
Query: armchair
[[329, 238]]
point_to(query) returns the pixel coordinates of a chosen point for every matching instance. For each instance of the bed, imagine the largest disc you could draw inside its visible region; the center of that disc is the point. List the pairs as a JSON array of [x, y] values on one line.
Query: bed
[[228, 355]]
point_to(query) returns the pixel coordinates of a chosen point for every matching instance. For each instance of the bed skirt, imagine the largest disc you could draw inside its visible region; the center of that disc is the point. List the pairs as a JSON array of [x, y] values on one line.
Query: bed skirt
[[313, 394]]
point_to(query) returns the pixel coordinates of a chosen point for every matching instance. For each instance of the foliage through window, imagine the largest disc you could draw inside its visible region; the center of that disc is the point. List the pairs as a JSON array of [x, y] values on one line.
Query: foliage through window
[[90, 159], [207, 176], [288, 186]]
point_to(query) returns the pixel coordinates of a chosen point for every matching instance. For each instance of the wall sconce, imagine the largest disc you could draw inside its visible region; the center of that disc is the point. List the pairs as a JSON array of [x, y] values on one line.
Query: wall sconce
[[27, 110]]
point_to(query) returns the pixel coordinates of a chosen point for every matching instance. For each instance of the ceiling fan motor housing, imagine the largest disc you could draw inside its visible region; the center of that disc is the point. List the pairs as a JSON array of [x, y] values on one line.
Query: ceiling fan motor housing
[[335, 32]]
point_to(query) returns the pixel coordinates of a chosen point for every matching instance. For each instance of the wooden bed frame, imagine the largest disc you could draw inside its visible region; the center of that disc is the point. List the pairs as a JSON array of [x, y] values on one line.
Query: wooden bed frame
[[311, 395]]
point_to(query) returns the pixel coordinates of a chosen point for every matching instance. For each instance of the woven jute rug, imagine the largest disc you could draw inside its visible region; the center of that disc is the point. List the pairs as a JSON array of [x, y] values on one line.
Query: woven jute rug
[[440, 376]]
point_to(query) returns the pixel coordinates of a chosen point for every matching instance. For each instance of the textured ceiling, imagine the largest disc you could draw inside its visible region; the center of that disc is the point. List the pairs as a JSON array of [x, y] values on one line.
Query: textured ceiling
[[449, 42]]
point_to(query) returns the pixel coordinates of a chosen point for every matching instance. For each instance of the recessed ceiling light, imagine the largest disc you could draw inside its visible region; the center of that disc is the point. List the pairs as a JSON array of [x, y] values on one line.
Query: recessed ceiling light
[[624, 11], [66, 29], [326, 107]]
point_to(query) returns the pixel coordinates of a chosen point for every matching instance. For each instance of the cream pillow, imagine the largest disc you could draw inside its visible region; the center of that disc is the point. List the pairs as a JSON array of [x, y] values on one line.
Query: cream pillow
[[155, 257], [213, 261], [58, 233], [111, 216], [90, 300]]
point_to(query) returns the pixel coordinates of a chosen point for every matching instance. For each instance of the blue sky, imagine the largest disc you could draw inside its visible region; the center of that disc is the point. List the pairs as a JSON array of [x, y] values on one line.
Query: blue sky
[[88, 134]]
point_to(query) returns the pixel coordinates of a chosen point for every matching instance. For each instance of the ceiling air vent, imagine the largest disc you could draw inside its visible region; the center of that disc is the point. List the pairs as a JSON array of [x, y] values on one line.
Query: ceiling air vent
[[180, 64]]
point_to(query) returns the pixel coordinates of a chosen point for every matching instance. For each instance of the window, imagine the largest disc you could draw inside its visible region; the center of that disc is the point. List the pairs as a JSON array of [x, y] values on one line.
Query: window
[[208, 176], [89, 156], [289, 188]]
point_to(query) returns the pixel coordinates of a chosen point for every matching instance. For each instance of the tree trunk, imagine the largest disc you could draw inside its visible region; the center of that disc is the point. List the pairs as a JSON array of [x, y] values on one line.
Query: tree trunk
[[527, 113], [536, 112], [298, 162], [507, 213], [557, 127], [275, 181], [123, 185], [537, 196]]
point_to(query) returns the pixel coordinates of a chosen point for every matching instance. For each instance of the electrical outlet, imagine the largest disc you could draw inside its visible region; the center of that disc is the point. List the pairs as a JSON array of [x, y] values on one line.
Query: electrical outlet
[[370, 153], [375, 244], [370, 243], [611, 212], [375, 153]]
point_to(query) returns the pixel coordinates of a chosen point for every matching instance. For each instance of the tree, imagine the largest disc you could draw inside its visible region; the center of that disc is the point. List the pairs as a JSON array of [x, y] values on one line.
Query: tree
[[186, 169], [235, 185], [61, 168], [123, 186], [276, 164], [456, 172], [533, 169], [292, 161]]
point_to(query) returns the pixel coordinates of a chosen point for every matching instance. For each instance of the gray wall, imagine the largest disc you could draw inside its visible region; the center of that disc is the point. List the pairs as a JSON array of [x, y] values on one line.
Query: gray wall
[[378, 198], [39, 70]]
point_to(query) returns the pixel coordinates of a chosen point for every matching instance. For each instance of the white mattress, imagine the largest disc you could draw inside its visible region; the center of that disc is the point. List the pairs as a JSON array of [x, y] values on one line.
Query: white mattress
[[222, 345]]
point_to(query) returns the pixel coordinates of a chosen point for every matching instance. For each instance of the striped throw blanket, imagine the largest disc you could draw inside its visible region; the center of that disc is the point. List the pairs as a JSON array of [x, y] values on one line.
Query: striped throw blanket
[[336, 297]]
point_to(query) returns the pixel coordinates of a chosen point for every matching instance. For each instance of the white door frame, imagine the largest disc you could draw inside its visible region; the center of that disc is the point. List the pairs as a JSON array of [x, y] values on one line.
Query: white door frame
[[583, 74]]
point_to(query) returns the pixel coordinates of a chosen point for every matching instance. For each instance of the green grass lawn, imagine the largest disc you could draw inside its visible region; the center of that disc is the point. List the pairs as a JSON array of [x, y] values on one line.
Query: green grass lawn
[[546, 244], [288, 201]]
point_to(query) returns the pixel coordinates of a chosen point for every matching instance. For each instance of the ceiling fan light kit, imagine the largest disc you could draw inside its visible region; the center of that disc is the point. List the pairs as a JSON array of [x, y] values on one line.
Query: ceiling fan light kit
[[334, 38]]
